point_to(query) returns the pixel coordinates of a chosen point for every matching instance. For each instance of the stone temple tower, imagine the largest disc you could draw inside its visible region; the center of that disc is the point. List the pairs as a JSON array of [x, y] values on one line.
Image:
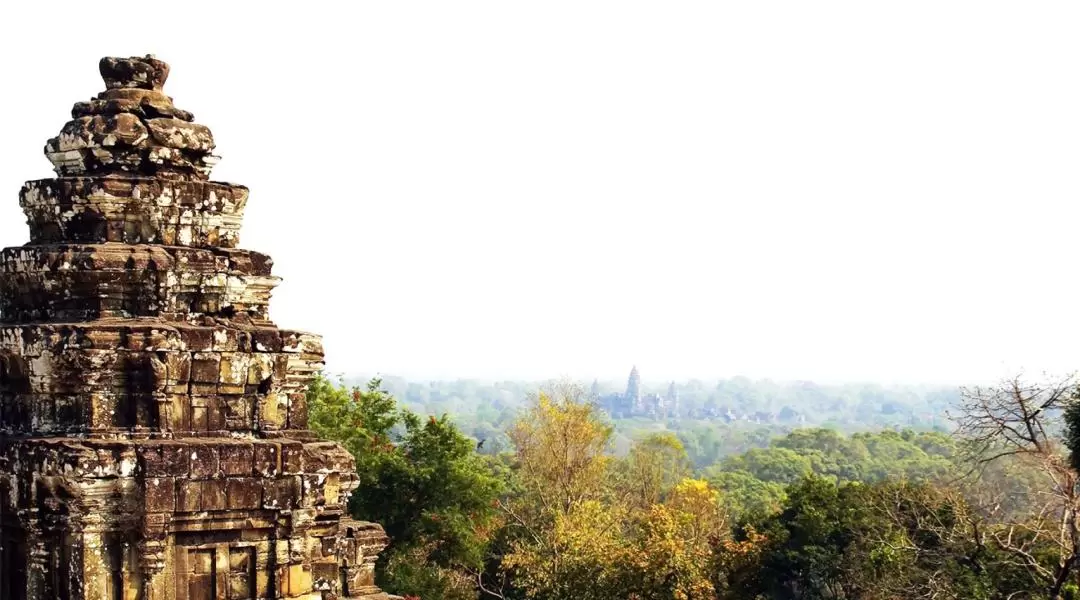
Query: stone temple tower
[[153, 439], [633, 392]]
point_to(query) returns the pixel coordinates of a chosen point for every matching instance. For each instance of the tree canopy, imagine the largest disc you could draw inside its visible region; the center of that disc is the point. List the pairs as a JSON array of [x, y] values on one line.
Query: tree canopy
[[570, 506]]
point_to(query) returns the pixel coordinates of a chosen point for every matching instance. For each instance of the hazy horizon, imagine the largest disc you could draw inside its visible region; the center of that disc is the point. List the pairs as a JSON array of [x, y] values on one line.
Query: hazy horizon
[[654, 382], [831, 192]]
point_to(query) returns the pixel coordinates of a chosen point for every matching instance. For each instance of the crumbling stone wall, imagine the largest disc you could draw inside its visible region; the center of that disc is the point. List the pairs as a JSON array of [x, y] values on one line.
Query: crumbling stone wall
[[153, 429]]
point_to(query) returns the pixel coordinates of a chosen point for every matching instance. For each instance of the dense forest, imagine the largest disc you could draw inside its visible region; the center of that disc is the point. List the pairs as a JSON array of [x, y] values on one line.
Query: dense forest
[[716, 419], [985, 507]]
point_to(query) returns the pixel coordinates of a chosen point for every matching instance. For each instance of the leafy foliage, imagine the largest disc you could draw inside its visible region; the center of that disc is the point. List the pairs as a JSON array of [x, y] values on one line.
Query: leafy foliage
[[420, 478], [569, 505]]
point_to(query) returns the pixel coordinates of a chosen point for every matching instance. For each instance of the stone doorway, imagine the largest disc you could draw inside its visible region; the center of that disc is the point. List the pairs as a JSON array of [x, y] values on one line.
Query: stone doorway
[[217, 572]]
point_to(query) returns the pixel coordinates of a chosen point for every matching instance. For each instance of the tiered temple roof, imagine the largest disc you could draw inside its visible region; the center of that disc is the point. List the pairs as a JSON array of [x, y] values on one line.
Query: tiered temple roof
[[153, 424]]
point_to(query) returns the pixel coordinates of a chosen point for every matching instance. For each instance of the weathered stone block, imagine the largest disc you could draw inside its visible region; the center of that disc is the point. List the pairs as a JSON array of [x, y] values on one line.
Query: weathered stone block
[[168, 459], [244, 493], [239, 413], [175, 133], [292, 457], [215, 495], [282, 493], [267, 459], [160, 494], [205, 367], [178, 365], [204, 461], [237, 459], [266, 340], [300, 581], [273, 412], [189, 496]]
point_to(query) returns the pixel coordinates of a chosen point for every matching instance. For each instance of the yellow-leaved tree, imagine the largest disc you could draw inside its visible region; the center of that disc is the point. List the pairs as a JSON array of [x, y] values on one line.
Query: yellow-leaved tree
[[652, 467], [584, 525], [674, 548], [568, 539]]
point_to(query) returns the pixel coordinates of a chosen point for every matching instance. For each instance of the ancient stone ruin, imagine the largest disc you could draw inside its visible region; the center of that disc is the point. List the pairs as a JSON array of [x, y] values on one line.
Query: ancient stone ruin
[[153, 441]]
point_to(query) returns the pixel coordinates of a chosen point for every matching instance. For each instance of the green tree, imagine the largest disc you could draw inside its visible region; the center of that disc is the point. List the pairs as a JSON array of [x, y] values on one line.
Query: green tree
[[420, 478], [807, 546], [744, 495], [779, 465]]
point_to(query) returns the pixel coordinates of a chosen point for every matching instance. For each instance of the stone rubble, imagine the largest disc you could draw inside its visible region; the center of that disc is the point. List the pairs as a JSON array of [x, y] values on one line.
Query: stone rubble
[[153, 424]]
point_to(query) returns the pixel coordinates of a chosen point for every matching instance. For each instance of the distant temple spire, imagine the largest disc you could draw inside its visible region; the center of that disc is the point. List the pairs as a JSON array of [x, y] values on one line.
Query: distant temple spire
[[634, 385], [635, 402], [633, 388]]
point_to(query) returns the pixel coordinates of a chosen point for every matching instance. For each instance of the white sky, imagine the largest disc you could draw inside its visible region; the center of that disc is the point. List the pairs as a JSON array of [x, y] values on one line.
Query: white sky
[[823, 190]]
